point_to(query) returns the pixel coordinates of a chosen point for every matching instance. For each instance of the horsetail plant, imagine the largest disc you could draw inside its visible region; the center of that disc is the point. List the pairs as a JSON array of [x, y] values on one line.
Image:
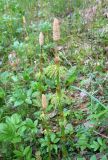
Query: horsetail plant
[[44, 102], [46, 125], [56, 38], [41, 43], [24, 25], [56, 30]]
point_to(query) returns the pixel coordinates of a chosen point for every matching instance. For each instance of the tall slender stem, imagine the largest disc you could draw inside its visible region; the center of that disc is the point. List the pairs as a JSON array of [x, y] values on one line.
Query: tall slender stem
[[60, 107], [41, 70], [41, 42], [46, 125]]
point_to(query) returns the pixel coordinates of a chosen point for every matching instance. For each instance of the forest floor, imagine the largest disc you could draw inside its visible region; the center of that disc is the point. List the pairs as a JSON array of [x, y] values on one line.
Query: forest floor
[[28, 71]]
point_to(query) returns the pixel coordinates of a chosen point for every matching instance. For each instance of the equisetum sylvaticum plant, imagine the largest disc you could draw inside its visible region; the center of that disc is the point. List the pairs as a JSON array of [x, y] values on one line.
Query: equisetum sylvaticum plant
[[56, 38], [41, 43], [46, 124], [44, 100], [24, 25]]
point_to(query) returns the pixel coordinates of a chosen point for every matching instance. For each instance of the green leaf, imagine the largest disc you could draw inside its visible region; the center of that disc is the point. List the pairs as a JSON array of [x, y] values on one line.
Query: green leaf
[[55, 147], [100, 141], [104, 158], [4, 77], [21, 130], [95, 146], [66, 112], [15, 78], [18, 153], [15, 118], [93, 158], [35, 94], [72, 76], [69, 128], [29, 92], [2, 93], [16, 139], [26, 76], [56, 140], [7, 133], [26, 150], [28, 101], [18, 103], [36, 122], [53, 136], [2, 128], [29, 123]]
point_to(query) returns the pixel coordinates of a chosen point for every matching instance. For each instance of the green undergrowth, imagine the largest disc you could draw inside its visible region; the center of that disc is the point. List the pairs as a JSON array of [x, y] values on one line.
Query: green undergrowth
[[83, 74]]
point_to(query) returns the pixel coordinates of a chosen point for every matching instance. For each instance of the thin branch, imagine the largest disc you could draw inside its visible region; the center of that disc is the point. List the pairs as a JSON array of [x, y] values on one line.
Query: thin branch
[[102, 135], [91, 96]]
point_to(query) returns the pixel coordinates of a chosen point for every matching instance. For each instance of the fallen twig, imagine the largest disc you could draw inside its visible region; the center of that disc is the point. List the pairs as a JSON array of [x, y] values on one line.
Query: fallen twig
[[102, 135]]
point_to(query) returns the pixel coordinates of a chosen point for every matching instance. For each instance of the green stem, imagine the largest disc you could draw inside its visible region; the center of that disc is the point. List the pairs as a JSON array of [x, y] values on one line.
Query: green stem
[[49, 147], [46, 125], [41, 70], [41, 56], [58, 90]]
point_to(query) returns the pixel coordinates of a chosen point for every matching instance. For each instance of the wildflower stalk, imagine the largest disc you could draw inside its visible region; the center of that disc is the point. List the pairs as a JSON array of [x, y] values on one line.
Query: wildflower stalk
[[60, 107], [56, 37], [41, 42], [44, 106], [24, 24]]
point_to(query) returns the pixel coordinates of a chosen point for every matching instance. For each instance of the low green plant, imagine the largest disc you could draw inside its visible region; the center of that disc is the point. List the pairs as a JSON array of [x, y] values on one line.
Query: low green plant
[[71, 71]]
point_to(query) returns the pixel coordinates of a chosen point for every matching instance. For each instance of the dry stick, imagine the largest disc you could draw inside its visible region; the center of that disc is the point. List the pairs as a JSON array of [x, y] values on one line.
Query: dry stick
[[102, 135]]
